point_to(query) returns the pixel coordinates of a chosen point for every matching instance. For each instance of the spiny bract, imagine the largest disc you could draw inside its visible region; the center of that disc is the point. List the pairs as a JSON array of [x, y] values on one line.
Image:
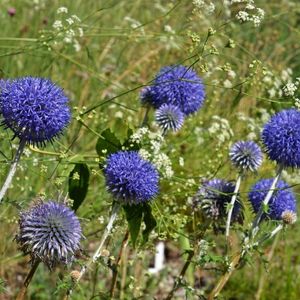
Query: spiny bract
[[130, 178], [169, 116], [213, 197], [281, 137], [35, 109], [283, 198], [49, 232], [177, 85], [246, 155]]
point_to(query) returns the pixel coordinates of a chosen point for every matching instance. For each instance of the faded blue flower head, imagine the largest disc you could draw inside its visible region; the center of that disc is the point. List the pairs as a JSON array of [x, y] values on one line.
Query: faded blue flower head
[[283, 198], [49, 232], [246, 155], [281, 137], [169, 116], [213, 197], [35, 109], [177, 85], [130, 178]]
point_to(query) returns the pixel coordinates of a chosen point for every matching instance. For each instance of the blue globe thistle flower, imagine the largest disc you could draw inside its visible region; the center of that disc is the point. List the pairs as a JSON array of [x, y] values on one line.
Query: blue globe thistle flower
[[49, 232], [177, 85], [169, 116], [130, 178], [283, 199], [281, 137], [35, 109], [213, 197], [246, 155]]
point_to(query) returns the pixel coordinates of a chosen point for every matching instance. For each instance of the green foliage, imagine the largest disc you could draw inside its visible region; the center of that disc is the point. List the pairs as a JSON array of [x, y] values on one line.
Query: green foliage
[[135, 215], [78, 184]]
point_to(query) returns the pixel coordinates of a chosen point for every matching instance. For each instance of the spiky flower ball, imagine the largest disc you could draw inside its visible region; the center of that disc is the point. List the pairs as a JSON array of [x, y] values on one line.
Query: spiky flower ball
[[282, 200], [35, 109], [169, 117], [281, 137], [213, 197], [49, 232], [177, 85], [246, 155], [130, 178]]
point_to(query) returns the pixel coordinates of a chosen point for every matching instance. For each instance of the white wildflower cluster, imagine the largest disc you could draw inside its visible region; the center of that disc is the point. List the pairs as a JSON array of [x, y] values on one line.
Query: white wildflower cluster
[[220, 129], [254, 125], [66, 29], [169, 38], [204, 7], [289, 90], [282, 85], [152, 143], [135, 24], [249, 12]]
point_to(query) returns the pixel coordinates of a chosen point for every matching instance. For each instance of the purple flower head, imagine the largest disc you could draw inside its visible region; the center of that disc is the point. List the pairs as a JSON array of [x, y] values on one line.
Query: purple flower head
[[177, 85], [213, 197], [169, 116], [283, 199], [281, 137], [246, 155], [49, 232], [11, 11], [35, 109], [130, 178]]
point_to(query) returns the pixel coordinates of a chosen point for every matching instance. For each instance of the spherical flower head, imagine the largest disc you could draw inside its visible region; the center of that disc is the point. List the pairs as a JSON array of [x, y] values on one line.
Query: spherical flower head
[[130, 178], [177, 85], [169, 117], [281, 137], [49, 232], [35, 109], [246, 155], [213, 197], [282, 200]]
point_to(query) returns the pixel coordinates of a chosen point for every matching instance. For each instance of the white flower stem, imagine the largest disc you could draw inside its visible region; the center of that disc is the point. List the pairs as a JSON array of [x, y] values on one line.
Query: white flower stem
[[271, 234], [231, 205], [12, 169], [255, 224], [97, 254]]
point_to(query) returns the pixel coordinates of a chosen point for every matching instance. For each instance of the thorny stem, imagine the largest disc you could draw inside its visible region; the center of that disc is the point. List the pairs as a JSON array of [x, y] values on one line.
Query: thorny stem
[[12, 169], [235, 262], [97, 254], [22, 292], [115, 271], [255, 225], [231, 205], [181, 275]]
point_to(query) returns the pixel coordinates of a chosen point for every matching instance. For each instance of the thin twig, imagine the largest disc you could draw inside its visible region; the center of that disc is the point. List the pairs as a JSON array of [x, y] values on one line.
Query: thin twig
[[22, 292], [181, 275], [115, 270]]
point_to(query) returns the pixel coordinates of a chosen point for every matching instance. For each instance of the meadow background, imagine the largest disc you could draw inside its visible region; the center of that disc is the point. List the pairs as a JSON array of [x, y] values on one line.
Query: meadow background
[[102, 57]]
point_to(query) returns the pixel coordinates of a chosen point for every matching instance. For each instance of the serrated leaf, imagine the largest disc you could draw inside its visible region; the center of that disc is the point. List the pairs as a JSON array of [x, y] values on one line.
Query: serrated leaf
[[108, 143], [78, 184], [149, 221], [134, 215]]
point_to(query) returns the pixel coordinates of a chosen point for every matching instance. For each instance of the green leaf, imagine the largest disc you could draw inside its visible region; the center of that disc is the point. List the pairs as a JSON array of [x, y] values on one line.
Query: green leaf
[[149, 221], [108, 143], [134, 215], [78, 184]]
